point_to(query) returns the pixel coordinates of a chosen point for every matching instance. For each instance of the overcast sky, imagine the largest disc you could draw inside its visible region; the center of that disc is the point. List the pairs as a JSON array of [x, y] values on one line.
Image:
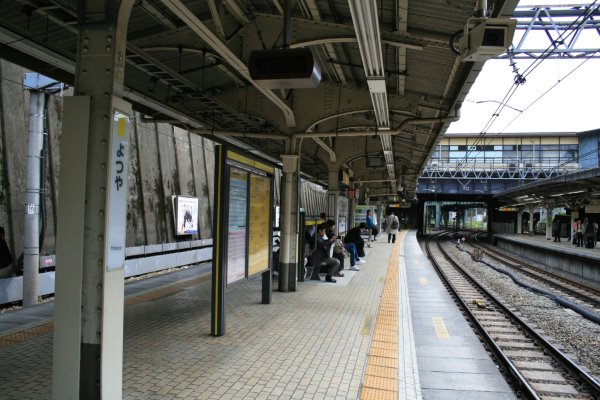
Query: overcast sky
[[573, 105]]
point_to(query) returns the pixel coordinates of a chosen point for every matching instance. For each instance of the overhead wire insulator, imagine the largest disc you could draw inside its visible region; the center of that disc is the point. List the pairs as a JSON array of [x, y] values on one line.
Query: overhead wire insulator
[[519, 78]]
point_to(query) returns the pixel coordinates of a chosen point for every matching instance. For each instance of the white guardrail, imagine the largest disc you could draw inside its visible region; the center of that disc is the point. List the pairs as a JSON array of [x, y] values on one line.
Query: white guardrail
[[140, 260]]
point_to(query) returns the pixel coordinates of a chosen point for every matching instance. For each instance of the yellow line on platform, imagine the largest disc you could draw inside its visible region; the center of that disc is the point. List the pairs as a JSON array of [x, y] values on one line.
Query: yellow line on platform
[[42, 329], [381, 374]]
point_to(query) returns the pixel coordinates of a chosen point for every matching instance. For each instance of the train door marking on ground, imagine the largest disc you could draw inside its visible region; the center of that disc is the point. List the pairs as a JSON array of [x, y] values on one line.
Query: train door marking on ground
[[440, 328]]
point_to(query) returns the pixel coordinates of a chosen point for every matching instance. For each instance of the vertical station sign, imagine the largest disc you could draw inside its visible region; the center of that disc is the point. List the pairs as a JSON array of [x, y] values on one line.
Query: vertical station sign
[[116, 210]]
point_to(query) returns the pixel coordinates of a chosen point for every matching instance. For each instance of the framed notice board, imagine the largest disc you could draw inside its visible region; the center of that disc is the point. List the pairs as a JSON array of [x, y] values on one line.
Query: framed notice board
[[259, 240], [242, 228], [236, 223]]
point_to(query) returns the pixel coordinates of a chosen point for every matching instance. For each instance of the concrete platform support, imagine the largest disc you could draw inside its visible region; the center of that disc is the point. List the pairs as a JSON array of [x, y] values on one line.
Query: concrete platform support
[[288, 256], [88, 340]]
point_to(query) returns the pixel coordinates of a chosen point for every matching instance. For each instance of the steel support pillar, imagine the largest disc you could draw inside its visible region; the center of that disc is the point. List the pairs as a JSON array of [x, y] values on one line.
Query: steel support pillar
[[491, 207], [333, 193], [531, 231], [519, 221], [574, 214], [88, 327], [548, 223], [288, 256], [31, 243]]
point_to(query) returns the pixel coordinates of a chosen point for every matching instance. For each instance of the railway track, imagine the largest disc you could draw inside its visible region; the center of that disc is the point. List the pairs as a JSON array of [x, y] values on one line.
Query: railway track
[[569, 288], [539, 369]]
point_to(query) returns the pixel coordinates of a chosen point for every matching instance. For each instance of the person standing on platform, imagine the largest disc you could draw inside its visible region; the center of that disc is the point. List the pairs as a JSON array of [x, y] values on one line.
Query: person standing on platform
[[392, 227], [589, 233], [5, 256], [575, 225], [372, 225], [556, 229], [324, 253]]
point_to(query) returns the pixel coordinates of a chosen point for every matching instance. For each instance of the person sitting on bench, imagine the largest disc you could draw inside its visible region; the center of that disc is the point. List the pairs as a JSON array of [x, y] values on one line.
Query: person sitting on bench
[[354, 236], [324, 253]]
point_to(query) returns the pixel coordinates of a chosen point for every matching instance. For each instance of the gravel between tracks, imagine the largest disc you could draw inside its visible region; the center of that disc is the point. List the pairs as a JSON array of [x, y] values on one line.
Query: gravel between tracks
[[577, 336]]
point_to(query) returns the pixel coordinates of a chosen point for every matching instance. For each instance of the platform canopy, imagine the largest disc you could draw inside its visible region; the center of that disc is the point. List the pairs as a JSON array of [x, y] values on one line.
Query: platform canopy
[[390, 83], [575, 190]]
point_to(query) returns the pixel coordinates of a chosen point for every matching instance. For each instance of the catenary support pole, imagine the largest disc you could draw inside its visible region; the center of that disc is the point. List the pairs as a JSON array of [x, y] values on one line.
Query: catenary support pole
[[31, 244]]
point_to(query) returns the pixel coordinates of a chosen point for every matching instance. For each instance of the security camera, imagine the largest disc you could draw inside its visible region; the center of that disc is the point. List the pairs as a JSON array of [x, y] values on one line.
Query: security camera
[[485, 38]]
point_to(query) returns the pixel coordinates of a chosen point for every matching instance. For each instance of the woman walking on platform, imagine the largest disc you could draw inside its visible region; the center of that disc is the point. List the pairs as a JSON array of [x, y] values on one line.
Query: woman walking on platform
[[392, 227]]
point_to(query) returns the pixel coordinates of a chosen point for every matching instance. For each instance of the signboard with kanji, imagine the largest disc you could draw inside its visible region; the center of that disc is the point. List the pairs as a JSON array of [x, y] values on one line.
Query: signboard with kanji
[[116, 211]]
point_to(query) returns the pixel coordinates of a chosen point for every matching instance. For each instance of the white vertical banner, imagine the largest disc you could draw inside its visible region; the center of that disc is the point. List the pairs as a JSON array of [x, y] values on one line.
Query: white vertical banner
[[116, 210]]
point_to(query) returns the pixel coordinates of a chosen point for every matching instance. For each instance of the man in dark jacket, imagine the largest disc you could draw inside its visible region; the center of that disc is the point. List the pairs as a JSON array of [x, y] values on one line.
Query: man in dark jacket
[[354, 236], [324, 253]]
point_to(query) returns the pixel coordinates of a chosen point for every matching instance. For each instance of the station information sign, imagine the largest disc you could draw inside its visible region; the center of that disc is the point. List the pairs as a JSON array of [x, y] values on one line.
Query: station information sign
[[116, 214]]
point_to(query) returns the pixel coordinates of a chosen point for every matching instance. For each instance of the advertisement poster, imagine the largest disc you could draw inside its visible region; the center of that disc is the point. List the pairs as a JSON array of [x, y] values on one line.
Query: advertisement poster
[[186, 209], [360, 213], [342, 214], [236, 241]]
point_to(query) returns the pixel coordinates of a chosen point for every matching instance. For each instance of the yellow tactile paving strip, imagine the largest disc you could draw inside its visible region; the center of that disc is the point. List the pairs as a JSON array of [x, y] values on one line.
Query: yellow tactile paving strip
[[165, 291], [26, 334], [30, 333], [381, 374]]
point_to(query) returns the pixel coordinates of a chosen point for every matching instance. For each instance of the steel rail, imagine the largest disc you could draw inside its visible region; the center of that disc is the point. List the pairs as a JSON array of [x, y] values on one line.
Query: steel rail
[[520, 381], [592, 296], [593, 386]]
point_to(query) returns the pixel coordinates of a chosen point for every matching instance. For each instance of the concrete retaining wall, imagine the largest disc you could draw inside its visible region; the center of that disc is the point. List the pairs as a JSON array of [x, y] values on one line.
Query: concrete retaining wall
[[569, 262], [164, 161]]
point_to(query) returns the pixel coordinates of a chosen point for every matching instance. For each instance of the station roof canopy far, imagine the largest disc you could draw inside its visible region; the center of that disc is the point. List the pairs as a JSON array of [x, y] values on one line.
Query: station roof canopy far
[[573, 190]]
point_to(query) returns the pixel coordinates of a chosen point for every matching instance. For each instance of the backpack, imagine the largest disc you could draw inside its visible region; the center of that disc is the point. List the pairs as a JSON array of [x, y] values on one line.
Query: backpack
[[338, 248], [395, 224]]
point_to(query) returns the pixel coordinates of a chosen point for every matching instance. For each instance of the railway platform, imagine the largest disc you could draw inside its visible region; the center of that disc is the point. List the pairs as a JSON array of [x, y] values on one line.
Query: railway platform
[[388, 331], [564, 245], [577, 262]]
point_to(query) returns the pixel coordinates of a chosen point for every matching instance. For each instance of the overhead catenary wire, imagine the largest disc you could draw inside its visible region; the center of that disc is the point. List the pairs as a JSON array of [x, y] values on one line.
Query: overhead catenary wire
[[586, 14], [547, 91]]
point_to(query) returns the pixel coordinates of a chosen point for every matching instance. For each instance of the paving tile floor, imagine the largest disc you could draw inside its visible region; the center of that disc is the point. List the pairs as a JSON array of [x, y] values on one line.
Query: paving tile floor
[[311, 344]]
